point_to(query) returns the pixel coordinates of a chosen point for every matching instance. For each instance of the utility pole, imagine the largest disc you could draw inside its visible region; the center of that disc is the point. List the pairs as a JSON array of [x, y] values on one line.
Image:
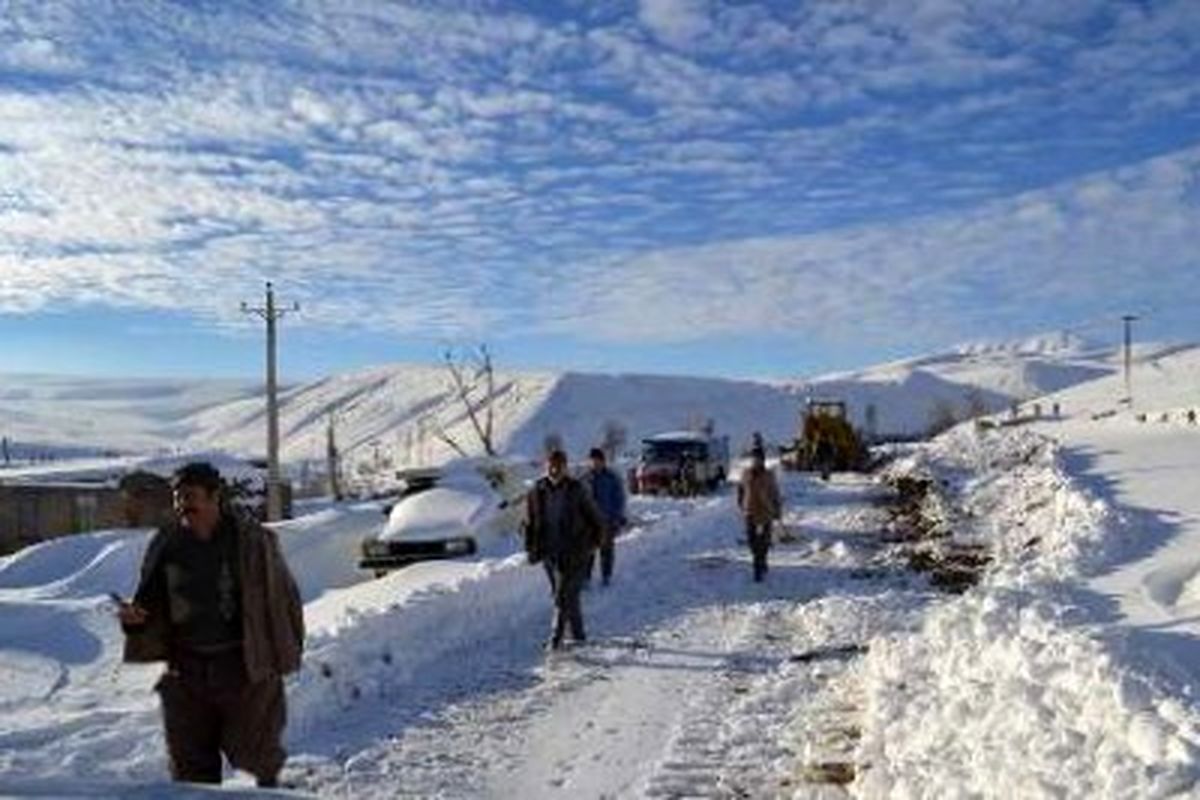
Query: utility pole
[[333, 459], [271, 314], [1129, 319]]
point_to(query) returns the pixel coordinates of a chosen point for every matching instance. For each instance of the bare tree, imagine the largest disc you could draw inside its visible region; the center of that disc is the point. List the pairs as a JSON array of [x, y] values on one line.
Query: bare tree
[[697, 422], [472, 384], [613, 439], [431, 423]]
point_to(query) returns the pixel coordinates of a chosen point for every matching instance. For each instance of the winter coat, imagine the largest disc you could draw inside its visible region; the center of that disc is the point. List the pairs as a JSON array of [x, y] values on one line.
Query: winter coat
[[758, 496], [272, 614], [582, 525], [609, 495]]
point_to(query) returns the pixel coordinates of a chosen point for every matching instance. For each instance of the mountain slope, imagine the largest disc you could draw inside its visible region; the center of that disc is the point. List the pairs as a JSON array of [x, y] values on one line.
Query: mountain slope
[[401, 414]]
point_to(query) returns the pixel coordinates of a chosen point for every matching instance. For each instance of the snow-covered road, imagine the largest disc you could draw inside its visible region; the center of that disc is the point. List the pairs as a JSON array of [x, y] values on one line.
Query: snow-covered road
[[698, 682]]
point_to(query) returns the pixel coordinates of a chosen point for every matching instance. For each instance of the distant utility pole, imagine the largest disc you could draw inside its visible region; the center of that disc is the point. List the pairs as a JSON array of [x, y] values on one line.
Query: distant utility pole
[[1129, 319], [332, 459], [271, 314]]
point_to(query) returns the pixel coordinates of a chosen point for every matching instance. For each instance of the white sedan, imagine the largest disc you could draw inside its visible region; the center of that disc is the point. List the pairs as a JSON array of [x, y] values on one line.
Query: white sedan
[[458, 512]]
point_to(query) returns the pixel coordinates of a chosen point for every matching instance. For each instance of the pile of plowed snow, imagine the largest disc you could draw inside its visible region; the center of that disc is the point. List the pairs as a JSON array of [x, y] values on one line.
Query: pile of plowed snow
[[1021, 683]]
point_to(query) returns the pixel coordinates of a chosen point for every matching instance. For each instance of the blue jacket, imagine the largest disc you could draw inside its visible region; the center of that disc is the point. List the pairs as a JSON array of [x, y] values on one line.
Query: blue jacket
[[609, 494]]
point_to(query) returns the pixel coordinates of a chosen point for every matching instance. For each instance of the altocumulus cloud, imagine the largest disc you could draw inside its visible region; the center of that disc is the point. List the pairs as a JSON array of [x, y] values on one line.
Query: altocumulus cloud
[[455, 167], [1118, 239]]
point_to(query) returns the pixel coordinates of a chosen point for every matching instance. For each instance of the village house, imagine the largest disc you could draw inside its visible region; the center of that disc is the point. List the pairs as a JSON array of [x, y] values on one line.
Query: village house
[[49, 502], [34, 510]]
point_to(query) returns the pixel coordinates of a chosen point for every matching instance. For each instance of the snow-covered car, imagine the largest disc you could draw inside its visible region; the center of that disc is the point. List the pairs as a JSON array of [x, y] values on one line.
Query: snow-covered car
[[464, 509]]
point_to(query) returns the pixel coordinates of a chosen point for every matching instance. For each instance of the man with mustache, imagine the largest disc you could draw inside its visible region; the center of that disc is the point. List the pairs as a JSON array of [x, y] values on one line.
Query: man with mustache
[[217, 603]]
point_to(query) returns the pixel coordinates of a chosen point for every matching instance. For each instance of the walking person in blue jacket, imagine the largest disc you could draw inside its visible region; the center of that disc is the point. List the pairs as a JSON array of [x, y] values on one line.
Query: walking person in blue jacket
[[609, 495]]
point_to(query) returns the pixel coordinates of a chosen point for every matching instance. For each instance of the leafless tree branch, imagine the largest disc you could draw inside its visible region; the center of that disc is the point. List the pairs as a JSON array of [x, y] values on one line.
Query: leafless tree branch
[[464, 391]]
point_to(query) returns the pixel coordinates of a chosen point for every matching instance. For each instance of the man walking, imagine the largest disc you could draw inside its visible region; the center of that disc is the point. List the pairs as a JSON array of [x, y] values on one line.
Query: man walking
[[758, 498], [609, 496], [562, 528], [217, 603]]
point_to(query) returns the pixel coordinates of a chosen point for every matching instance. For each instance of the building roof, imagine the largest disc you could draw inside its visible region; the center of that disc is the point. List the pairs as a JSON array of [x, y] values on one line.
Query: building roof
[[96, 472]]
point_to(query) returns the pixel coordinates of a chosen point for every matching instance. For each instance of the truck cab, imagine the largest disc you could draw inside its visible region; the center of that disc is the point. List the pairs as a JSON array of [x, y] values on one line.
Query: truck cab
[[680, 463]]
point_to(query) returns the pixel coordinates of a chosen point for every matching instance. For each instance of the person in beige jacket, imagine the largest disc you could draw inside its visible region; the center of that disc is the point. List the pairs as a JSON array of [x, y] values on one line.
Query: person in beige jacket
[[758, 498], [217, 603]]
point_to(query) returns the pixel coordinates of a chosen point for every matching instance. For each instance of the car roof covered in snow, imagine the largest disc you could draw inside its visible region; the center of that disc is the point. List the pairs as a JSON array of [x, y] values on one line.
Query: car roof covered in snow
[[678, 436], [440, 512]]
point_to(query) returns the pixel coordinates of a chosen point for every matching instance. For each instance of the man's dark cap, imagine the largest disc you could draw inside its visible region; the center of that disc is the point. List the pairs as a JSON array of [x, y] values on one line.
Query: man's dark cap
[[596, 452], [197, 473]]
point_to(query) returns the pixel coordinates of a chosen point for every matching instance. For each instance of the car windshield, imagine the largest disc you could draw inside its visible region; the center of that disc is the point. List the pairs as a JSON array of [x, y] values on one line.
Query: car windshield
[[673, 451]]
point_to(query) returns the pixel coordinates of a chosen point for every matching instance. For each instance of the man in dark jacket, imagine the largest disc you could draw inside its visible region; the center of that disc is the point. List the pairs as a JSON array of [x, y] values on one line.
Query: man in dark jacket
[[608, 493], [562, 528], [217, 603]]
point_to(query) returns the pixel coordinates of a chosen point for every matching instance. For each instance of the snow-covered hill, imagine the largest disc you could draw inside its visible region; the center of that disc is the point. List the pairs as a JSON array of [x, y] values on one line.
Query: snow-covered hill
[[63, 416], [397, 413], [988, 375]]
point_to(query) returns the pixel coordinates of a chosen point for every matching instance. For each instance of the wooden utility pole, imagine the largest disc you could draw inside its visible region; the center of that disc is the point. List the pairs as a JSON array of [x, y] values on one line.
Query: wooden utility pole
[[1129, 319], [272, 314], [333, 460]]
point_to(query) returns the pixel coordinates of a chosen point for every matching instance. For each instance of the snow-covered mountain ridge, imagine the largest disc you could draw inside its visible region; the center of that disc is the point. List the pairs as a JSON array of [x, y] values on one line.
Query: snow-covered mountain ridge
[[402, 412]]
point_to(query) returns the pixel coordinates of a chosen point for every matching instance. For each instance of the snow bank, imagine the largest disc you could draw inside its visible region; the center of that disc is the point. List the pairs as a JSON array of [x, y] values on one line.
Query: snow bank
[[1009, 491], [1004, 695], [47, 562], [1012, 690], [323, 548]]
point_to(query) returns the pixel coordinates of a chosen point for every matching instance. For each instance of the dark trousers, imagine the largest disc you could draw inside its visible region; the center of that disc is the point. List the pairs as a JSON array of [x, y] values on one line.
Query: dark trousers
[[759, 539], [210, 708], [607, 556], [566, 582]]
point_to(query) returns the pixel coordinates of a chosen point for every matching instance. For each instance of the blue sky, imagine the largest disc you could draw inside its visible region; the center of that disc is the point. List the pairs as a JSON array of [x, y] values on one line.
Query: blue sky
[[665, 185]]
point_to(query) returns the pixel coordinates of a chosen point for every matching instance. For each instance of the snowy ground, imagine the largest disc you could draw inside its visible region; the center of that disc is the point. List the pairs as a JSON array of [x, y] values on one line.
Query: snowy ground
[[1069, 671], [432, 681], [682, 632]]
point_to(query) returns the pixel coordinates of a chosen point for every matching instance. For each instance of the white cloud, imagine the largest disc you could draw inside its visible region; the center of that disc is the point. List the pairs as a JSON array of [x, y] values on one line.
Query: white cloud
[[37, 55], [676, 22], [423, 167], [1129, 236]]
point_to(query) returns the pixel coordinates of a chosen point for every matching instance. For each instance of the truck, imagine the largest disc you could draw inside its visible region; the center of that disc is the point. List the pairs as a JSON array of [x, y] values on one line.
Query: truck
[[681, 464]]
